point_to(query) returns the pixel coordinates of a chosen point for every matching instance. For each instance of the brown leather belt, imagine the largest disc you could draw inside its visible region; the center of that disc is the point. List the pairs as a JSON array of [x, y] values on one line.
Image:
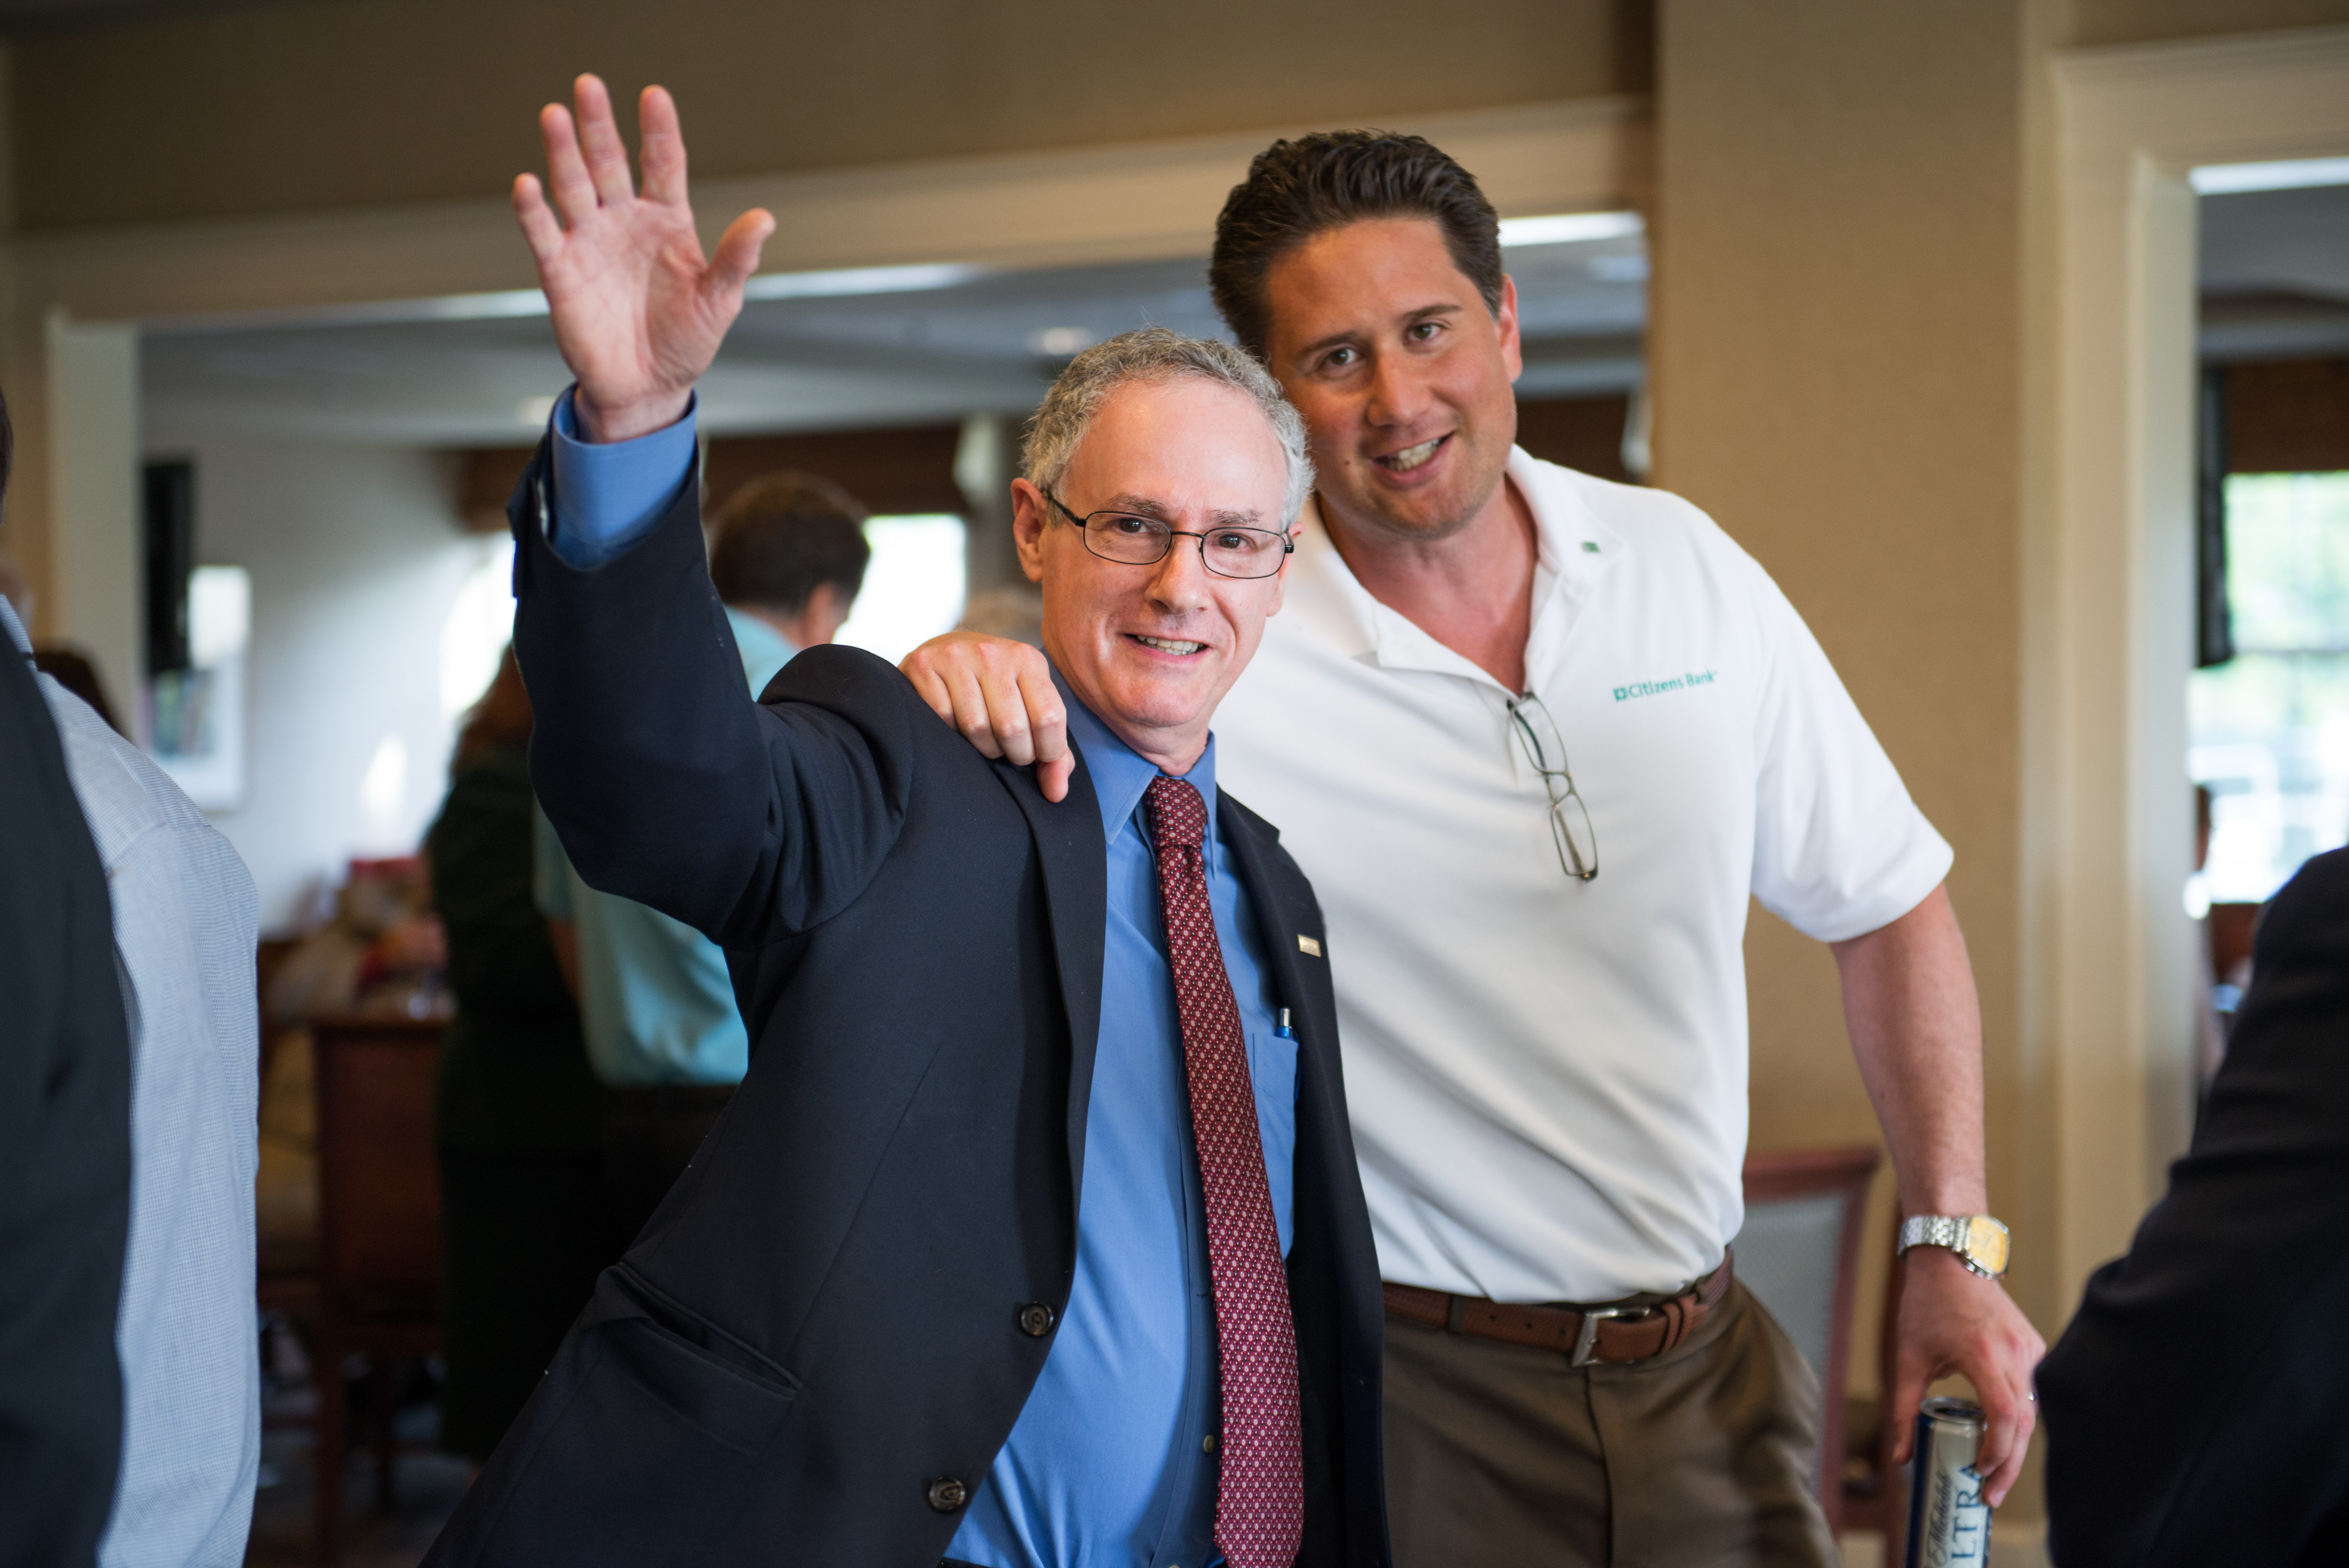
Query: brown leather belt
[[1614, 1334]]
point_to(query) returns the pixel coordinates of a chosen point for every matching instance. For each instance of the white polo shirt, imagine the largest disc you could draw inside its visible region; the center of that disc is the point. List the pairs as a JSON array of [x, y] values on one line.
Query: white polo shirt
[[1548, 1077]]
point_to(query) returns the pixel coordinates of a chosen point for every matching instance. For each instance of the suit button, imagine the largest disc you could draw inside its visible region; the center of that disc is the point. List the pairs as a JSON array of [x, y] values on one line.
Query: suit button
[[1035, 1320], [948, 1494]]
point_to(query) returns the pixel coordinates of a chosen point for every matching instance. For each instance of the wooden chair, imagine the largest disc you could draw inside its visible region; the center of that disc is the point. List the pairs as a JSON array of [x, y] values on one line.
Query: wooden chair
[[1799, 1253], [379, 1232]]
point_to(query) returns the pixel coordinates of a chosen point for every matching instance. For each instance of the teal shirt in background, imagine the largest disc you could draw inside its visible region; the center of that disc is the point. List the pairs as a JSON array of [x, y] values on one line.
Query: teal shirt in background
[[764, 650], [656, 1003]]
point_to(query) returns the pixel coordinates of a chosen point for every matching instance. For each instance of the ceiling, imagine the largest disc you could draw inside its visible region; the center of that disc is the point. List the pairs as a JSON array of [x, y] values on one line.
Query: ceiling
[[968, 341], [923, 346]]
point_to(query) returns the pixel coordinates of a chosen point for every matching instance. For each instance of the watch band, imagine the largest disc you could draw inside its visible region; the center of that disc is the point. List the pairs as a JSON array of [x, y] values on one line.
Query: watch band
[[1979, 1241]]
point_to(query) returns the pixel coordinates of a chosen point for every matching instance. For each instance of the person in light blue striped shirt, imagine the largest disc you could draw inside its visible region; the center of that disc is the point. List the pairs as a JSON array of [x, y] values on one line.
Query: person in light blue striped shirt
[[787, 556], [186, 919]]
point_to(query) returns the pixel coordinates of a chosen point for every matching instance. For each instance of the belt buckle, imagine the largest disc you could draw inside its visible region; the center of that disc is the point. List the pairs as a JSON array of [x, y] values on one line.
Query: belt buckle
[[1585, 1339]]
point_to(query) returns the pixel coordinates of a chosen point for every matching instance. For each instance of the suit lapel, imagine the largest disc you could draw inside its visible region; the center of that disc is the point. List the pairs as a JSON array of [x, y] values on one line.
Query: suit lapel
[[1075, 859], [1252, 858]]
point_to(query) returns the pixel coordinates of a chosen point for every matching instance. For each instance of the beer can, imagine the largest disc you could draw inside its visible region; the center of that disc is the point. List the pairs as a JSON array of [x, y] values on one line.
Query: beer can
[[1948, 1521]]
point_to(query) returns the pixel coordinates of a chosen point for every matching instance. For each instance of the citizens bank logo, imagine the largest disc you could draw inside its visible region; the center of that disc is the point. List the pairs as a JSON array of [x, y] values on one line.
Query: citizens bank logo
[[1652, 688]]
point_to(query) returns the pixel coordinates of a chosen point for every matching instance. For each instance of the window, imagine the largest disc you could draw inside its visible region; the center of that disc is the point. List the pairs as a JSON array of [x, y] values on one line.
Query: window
[[2268, 731], [913, 587]]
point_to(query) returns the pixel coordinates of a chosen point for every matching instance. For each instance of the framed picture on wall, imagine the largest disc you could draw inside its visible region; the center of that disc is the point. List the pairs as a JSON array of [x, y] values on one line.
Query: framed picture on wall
[[195, 715]]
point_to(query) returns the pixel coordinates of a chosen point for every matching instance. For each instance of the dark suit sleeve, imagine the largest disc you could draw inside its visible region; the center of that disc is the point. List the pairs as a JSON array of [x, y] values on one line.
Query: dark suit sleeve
[[667, 783], [2195, 1406], [64, 1151]]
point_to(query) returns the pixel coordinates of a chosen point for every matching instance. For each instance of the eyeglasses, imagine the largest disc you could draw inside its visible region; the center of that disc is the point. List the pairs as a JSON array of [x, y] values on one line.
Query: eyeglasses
[[1569, 818], [1138, 541]]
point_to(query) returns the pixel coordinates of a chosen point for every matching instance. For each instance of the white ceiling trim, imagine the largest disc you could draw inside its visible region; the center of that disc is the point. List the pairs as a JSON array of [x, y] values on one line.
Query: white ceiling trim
[[1126, 203]]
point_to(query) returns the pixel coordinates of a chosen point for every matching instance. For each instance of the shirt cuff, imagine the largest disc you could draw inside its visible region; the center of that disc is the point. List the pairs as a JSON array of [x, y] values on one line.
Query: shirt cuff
[[606, 495]]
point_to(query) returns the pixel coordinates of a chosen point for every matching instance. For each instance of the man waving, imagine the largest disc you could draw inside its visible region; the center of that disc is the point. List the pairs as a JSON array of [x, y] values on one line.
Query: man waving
[[873, 1323]]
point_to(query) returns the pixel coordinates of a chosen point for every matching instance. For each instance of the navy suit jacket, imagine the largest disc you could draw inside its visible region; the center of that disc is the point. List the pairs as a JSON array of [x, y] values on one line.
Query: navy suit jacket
[[2198, 1407], [822, 1323]]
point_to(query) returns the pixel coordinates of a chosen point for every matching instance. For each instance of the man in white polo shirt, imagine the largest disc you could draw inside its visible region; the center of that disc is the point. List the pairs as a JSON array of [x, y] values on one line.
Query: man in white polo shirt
[[1536, 738]]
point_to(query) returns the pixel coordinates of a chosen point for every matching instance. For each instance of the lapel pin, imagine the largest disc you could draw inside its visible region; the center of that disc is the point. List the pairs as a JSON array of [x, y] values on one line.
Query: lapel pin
[[1307, 946]]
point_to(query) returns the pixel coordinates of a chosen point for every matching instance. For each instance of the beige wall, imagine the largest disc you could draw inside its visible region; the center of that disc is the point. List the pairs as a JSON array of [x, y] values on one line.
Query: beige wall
[[353, 102], [336, 103], [1851, 354], [1837, 354]]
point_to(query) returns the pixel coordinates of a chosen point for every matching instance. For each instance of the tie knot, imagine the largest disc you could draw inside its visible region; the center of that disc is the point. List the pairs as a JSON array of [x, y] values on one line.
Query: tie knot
[[1179, 817]]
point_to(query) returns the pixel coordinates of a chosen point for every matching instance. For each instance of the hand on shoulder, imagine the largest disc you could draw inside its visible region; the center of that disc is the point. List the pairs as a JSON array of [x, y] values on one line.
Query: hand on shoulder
[[999, 694]]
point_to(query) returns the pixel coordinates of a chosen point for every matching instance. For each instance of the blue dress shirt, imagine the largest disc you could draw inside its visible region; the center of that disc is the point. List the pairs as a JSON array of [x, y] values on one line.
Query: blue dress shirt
[[1108, 1462], [612, 493], [1107, 1466]]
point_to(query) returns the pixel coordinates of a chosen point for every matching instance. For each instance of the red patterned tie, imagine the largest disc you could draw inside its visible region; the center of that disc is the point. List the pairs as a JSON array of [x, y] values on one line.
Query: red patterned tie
[[1260, 1505]]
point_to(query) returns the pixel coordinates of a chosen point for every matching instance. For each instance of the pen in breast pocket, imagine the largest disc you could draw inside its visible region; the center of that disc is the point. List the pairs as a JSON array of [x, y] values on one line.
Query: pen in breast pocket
[[1285, 1031]]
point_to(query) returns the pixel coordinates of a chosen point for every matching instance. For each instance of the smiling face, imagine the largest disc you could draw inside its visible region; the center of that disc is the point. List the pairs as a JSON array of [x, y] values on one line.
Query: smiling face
[[1152, 649], [1405, 377]]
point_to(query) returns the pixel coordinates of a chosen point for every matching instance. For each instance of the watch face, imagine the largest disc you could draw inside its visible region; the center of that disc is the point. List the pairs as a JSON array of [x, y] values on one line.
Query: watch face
[[1986, 1243]]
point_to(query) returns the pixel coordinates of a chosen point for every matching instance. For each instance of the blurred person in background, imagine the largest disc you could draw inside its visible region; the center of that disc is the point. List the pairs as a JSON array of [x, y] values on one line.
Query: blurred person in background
[[185, 919], [2194, 1405], [71, 667], [786, 555], [517, 1114], [1014, 613]]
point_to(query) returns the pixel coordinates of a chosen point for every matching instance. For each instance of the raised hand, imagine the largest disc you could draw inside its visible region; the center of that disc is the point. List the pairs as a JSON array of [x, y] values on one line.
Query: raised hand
[[639, 313]]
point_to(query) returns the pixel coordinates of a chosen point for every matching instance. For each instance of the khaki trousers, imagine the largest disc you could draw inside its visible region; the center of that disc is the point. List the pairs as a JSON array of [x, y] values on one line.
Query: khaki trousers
[[1501, 1455]]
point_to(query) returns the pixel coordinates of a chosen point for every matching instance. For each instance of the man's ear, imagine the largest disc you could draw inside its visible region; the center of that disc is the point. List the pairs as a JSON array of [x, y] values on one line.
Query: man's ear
[[1506, 320], [1030, 515]]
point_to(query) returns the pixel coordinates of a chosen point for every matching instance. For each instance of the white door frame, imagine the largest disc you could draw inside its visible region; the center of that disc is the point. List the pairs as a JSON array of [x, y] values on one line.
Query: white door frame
[[2108, 830]]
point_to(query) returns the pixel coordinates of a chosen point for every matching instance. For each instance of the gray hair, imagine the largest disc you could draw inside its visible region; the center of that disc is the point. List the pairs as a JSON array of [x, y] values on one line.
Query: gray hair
[[1155, 355]]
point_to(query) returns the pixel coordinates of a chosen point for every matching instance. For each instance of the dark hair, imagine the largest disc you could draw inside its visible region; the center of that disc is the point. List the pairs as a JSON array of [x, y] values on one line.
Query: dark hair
[[780, 536], [7, 446], [1296, 189]]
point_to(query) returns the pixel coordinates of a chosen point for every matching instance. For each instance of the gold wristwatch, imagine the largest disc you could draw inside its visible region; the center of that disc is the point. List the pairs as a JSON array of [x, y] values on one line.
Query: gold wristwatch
[[1979, 1240]]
